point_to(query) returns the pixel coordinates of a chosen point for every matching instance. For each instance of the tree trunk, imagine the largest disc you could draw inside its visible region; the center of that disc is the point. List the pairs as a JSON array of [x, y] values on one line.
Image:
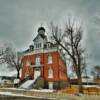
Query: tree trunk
[[80, 83], [18, 74]]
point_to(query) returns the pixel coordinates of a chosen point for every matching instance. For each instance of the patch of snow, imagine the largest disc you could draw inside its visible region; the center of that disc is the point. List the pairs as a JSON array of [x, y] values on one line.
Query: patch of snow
[[21, 95], [87, 80], [42, 90], [14, 89], [10, 94], [91, 86], [27, 84], [6, 93], [34, 90]]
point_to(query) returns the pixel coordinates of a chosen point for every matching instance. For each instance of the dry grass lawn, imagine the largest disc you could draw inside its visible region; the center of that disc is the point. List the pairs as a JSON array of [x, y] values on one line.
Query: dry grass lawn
[[55, 95]]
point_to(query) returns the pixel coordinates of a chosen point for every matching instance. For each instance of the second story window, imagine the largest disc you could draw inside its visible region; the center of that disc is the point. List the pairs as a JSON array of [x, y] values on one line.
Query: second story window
[[38, 45], [27, 63], [37, 60], [49, 59]]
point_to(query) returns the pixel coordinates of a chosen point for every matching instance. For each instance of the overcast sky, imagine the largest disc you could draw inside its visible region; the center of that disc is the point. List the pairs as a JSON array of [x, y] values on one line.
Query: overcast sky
[[20, 19]]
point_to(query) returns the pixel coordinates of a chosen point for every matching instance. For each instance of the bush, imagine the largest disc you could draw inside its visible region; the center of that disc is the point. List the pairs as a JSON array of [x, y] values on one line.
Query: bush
[[39, 84]]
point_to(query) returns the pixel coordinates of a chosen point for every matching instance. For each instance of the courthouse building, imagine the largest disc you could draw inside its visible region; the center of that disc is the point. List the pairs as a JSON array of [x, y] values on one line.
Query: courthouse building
[[43, 59]]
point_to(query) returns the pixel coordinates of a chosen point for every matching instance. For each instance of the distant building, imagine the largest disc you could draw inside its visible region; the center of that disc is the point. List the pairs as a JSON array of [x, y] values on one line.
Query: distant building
[[43, 59]]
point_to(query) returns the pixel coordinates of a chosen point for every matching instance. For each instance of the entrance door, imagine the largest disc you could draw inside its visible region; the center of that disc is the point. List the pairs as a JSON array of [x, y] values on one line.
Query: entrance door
[[36, 74], [50, 85]]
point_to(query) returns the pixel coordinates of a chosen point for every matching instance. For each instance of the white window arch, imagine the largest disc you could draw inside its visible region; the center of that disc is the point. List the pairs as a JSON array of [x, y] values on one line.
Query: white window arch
[[49, 59], [50, 73]]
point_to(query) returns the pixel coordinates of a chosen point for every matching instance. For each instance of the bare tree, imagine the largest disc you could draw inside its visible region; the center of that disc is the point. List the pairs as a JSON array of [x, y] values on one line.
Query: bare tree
[[7, 55], [69, 41]]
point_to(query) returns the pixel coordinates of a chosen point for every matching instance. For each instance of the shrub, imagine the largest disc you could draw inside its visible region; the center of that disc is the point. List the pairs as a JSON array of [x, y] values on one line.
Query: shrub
[[39, 84]]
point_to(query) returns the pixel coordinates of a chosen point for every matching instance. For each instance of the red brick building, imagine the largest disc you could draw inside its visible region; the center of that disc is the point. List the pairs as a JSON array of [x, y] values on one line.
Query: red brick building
[[44, 59]]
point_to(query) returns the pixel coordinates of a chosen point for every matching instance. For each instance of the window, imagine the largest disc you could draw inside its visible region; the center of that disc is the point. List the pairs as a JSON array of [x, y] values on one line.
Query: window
[[50, 73], [38, 45], [27, 72], [37, 60], [31, 48], [27, 63], [49, 59]]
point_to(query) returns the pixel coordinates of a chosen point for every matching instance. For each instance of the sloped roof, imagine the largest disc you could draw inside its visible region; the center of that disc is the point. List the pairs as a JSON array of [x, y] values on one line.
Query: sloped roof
[[42, 36], [27, 50], [41, 28]]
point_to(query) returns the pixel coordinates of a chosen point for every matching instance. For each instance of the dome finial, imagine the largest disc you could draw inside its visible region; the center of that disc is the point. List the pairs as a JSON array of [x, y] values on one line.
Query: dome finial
[[41, 24], [41, 28]]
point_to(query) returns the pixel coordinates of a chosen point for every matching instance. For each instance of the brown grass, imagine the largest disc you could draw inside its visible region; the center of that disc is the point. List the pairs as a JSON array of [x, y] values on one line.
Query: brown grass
[[57, 95]]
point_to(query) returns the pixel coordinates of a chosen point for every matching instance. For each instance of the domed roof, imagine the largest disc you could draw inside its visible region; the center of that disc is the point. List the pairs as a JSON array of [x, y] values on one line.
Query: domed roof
[[41, 28]]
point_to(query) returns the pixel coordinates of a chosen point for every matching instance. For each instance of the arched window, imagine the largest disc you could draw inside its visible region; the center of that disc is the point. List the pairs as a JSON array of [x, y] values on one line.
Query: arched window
[[27, 63], [50, 73], [49, 59], [37, 60], [38, 45], [27, 72]]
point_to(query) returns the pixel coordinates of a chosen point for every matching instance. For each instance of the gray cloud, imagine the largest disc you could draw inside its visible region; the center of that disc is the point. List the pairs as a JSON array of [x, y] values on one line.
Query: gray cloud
[[19, 20]]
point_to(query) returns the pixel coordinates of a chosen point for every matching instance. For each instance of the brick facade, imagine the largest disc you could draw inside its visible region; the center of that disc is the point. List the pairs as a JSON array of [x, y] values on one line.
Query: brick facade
[[35, 62]]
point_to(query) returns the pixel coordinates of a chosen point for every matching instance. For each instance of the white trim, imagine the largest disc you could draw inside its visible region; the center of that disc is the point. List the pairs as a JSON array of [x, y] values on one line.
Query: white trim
[[40, 51]]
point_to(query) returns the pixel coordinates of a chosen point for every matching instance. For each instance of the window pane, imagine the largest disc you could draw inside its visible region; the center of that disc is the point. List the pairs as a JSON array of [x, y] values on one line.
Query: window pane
[[37, 60], [27, 63], [49, 59], [50, 73]]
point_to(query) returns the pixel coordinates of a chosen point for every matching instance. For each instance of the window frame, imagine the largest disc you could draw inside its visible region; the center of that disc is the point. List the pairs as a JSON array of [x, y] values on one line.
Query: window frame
[[50, 59], [27, 63], [37, 60], [50, 73]]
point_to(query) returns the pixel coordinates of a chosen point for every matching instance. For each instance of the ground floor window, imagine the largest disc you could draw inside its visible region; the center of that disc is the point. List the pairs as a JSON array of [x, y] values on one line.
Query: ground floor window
[[27, 72], [50, 85], [50, 73]]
